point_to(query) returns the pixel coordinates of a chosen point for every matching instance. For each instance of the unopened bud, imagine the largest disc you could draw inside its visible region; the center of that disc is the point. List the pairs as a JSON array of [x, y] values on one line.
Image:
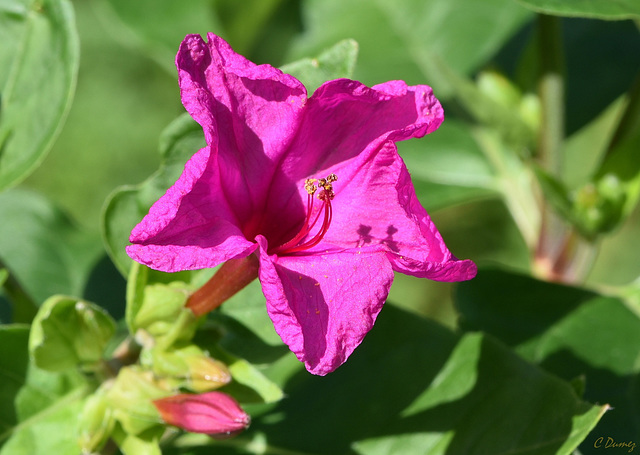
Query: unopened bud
[[95, 424], [190, 367], [130, 397], [212, 413]]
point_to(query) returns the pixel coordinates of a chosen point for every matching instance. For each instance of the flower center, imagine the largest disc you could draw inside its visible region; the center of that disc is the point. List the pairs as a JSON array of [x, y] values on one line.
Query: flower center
[[308, 236]]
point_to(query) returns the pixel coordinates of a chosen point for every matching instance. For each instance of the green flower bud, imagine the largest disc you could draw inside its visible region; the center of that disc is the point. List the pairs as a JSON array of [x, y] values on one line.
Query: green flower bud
[[131, 397], [530, 111], [161, 306], [96, 423], [188, 367], [598, 207], [498, 88]]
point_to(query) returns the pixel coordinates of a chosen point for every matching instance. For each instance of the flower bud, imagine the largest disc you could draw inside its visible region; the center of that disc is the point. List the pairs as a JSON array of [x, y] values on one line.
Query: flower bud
[[95, 424], [189, 367], [212, 413], [157, 309], [130, 397]]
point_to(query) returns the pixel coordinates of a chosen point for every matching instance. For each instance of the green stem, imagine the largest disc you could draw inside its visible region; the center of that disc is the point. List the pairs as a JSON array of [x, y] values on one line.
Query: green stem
[[551, 88], [553, 232]]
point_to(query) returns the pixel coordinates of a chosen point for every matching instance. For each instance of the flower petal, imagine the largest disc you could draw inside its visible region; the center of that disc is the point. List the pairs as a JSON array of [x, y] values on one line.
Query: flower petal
[[323, 306], [212, 413], [249, 112], [190, 226], [375, 204], [345, 118], [347, 121]]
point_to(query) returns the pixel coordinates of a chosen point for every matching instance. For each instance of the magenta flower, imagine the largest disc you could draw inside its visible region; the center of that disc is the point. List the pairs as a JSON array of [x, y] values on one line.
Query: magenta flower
[[212, 413], [312, 187]]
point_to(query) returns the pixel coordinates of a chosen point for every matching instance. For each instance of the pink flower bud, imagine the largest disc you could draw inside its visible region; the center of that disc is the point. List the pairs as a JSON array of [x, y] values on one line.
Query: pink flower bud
[[212, 413]]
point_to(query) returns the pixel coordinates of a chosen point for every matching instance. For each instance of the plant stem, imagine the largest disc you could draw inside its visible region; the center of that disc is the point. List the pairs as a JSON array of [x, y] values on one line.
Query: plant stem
[[233, 276], [551, 88], [553, 236]]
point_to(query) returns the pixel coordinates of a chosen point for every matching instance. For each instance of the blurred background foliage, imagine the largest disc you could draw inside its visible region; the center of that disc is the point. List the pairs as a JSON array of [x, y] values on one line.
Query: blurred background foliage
[[127, 94]]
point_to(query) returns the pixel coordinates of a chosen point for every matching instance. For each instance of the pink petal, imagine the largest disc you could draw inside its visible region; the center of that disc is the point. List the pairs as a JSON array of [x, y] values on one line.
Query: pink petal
[[347, 121], [249, 113], [191, 226], [322, 306], [345, 118], [375, 204]]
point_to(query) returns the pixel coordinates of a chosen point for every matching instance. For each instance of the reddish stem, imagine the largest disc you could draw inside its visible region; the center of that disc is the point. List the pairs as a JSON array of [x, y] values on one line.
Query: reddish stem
[[230, 278]]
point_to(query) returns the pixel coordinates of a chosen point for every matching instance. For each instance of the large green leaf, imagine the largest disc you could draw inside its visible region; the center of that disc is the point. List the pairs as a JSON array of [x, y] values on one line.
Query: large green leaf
[[43, 248], [38, 66], [415, 387], [38, 409], [598, 9], [399, 39], [571, 332]]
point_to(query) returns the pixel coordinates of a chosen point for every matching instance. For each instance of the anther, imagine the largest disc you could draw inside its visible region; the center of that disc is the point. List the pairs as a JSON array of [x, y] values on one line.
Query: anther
[[303, 240]]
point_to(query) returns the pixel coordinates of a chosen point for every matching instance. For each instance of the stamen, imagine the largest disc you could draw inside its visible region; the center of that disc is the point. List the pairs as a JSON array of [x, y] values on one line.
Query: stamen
[[324, 189]]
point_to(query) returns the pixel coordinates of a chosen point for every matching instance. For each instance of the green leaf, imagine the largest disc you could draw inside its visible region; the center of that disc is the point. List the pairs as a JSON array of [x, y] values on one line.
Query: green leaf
[[38, 67], [145, 443], [415, 387], [603, 9], [555, 191], [68, 332], [246, 374], [582, 152], [336, 62], [248, 307], [570, 332], [38, 409], [45, 251], [249, 384], [448, 167], [127, 205], [158, 26], [400, 39]]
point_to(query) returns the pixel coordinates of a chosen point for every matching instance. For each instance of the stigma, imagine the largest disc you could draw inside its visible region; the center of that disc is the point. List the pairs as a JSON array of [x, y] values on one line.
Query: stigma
[[309, 234]]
